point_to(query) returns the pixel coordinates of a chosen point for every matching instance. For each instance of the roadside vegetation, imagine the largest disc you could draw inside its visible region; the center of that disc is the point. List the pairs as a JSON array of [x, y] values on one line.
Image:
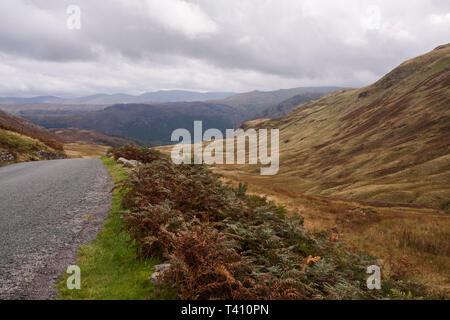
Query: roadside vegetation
[[109, 268], [222, 243]]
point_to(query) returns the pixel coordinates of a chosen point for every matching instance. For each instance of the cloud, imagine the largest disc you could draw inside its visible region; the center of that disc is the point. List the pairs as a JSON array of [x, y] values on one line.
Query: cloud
[[140, 45], [440, 18], [181, 16]]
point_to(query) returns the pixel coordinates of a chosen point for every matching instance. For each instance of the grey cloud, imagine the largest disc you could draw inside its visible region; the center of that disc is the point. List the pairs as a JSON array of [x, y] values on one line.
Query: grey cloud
[[282, 42]]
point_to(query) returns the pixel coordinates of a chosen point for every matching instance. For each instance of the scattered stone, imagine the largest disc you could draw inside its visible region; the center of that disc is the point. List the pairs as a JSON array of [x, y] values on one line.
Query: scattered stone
[[5, 156], [48, 155]]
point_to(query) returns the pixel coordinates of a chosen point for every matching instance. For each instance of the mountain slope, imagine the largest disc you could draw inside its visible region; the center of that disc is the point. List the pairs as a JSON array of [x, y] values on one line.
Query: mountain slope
[[73, 135], [388, 142], [255, 102], [284, 108]]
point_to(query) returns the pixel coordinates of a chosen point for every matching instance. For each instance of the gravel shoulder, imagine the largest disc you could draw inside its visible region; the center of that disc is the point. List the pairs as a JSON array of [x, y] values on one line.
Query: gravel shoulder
[[48, 209]]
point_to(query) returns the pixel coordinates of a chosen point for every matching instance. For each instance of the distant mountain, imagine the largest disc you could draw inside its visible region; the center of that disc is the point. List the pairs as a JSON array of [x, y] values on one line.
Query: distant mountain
[[254, 103], [157, 96], [102, 99], [39, 99], [180, 95], [49, 108], [154, 122], [148, 123], [388, 142]]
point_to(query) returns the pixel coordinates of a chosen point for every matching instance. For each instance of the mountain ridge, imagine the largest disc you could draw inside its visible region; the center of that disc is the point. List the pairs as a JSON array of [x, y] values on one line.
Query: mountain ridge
[[101, 98]]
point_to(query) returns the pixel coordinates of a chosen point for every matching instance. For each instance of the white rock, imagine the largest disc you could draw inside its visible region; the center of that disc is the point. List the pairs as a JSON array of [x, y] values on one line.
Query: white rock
[[132, 164], [162, 267], [129, 163], [159, 270]]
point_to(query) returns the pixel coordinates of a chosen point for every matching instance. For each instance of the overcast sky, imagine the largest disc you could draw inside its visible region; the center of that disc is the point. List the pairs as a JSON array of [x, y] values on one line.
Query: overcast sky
[[133, 46]]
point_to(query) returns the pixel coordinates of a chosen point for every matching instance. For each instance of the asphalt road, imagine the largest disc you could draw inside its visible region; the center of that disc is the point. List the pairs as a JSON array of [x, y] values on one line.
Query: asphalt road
[[47, 210]]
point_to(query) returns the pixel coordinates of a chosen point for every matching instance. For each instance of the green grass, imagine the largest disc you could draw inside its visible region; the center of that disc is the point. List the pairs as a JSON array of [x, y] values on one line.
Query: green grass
[[19, 143], [109, 267]]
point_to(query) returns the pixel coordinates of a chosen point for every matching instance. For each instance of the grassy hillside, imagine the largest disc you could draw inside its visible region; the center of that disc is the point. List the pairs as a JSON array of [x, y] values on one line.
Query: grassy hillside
[[388, 142], [20, 140]]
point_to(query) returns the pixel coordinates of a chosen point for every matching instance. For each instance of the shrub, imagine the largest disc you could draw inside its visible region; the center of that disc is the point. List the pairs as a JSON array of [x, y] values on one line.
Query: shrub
[[132, 152]]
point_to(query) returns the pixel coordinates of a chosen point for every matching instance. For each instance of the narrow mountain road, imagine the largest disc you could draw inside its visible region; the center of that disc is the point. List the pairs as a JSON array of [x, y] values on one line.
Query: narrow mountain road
[[47, 210]]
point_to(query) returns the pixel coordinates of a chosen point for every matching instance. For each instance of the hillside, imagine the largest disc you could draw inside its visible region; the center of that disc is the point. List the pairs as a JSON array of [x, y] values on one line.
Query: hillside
[[388, 142], [284, 108], [73, 135], [20, 140], [254, 103], [147, 123]]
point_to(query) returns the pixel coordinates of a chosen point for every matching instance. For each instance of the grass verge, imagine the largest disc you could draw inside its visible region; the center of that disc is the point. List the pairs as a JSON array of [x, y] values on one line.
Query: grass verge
[[109, 268]]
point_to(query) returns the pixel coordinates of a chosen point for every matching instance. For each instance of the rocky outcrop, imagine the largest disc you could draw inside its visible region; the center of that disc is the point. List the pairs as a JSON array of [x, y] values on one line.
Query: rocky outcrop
[[48, 155], [6, 156]]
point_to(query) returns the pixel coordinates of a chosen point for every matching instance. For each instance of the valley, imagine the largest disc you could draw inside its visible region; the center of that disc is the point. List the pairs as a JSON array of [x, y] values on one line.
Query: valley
[[151, 123]]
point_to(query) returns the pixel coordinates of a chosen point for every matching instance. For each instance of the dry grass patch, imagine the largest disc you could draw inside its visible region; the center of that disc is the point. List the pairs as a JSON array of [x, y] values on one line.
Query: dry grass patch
[[81, 150], [399, 235]]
